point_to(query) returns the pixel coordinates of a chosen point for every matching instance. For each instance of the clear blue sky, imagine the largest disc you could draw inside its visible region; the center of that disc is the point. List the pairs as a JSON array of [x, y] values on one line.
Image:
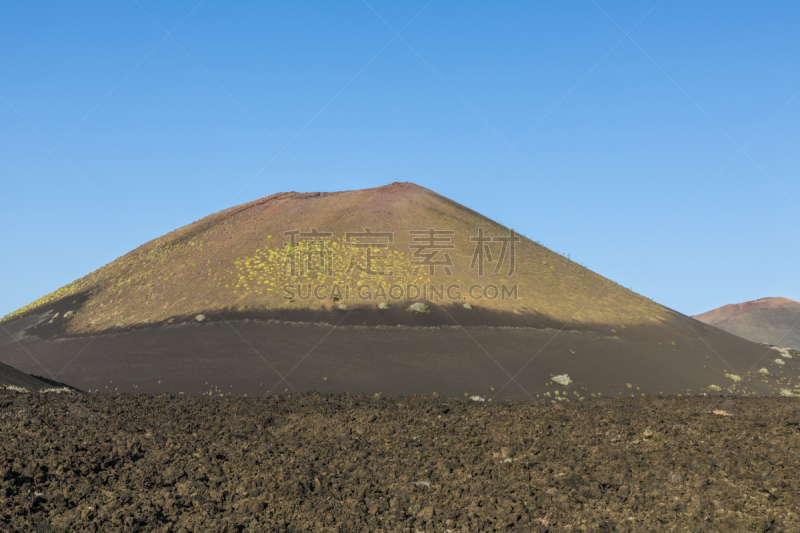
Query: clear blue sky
[[666, 160]]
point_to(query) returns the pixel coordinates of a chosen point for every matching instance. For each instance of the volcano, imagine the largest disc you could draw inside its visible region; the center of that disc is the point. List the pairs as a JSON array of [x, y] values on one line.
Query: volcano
[[773, 321], [389, 290]]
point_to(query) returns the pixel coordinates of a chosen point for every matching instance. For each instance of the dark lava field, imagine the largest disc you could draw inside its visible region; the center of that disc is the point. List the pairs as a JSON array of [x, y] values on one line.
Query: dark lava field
[[339, 463]]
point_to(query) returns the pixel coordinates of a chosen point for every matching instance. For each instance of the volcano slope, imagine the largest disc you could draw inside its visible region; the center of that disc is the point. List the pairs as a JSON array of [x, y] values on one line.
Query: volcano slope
[[773, 321], [11, 378], [313, 291]]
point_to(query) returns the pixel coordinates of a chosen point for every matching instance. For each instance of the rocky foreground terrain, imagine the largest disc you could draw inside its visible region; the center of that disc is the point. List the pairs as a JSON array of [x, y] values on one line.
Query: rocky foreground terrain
[[126, 463]]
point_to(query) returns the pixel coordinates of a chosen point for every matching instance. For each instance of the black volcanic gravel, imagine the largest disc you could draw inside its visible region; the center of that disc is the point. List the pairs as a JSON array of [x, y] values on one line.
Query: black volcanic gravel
[[353, 463]]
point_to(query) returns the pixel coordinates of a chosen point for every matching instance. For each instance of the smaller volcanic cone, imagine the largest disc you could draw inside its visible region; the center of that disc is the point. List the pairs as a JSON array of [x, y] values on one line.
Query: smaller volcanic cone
[[774, 321]]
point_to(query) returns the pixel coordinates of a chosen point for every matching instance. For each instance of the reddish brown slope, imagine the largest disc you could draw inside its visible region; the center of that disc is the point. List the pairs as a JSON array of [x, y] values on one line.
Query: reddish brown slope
[[235, 260], [731, 310], [774, 321]]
